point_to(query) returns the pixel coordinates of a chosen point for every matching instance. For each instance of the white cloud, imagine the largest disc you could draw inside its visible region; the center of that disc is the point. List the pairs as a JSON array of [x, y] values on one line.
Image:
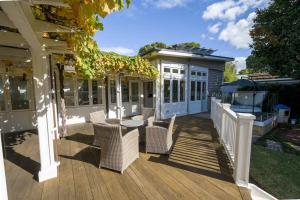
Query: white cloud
[[120, 50], [203, 36], [240, 63], [165, 3], [214, 28], [230, 9], [237, 33]]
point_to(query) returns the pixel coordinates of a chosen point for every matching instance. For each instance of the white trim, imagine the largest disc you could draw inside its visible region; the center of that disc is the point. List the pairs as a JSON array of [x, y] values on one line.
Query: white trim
[[259, 194], [3, 187], [190, 55]]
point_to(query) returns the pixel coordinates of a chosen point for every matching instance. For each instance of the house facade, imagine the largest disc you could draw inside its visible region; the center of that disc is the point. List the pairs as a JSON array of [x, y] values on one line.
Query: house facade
[[182, 88]]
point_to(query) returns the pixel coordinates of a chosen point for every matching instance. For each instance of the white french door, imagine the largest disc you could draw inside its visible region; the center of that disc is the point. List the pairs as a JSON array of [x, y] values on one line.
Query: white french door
[[134, 97], [198, 91]]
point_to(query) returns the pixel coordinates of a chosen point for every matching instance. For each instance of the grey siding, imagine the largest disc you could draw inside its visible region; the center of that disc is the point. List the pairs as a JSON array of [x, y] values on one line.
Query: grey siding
[[215, 80]]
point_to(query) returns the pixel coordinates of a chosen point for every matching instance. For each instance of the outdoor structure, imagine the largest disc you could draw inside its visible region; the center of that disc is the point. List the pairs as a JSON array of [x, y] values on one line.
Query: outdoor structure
[[187, 78]]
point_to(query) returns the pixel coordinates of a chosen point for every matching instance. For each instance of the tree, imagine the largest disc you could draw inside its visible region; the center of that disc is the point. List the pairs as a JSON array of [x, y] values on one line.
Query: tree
[[245, 71], [230, 72], [161, 45], [188, 45], [151, 46], [276, 41]]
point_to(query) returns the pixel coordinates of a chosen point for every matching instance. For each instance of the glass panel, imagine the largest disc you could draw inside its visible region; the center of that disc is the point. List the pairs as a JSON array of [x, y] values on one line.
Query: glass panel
[[193, 73], [134, 92], [166, 69], [182, 71], [198, 73], [19, 92], [198, 90], [2, 105], [175, 71], [203, 74], [193, 85], [182, 90], [203, 90], [125, 91], [175, 91], [97, 92], [113, 91], [83, 92], [69, 91], [167, 91]]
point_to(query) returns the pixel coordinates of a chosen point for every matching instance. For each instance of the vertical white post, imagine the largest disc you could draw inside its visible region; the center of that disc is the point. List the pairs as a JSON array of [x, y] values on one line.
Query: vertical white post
[[119, 96], [44, 116], [21, 16], [243, 148], [223, 116], [3, 187]]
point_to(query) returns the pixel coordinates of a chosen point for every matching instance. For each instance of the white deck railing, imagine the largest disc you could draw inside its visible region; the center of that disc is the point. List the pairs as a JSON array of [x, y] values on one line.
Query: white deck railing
[[235, 133]]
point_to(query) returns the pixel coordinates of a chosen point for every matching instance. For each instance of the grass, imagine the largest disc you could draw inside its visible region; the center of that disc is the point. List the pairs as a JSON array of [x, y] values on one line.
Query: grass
[[275, 172], [277, 135]]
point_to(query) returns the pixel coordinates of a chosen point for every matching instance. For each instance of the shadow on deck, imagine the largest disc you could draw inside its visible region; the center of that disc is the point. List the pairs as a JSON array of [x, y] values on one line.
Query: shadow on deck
[[197, 168]]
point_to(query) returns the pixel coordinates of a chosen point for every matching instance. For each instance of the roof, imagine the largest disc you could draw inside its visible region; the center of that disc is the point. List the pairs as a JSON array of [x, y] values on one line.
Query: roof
[[204, 55], [260, 76]]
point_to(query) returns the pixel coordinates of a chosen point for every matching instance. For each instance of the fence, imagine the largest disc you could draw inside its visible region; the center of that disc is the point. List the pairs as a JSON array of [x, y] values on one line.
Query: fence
[[235, 133]]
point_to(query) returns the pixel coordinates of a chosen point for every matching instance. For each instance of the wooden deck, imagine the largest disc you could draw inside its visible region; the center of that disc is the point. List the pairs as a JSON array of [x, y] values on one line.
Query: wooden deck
[[196, 169]]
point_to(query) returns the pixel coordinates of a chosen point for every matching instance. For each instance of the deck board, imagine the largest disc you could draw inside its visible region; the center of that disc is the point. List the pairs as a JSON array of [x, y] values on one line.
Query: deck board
[[197, 168]]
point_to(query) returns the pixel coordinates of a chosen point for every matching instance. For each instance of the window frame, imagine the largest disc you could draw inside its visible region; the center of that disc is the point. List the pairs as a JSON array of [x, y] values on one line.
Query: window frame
[[170, 89], [7, 92], [101, 85]]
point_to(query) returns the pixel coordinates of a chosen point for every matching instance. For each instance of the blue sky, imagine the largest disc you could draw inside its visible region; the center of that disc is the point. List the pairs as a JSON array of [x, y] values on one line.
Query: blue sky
[[222, 25]]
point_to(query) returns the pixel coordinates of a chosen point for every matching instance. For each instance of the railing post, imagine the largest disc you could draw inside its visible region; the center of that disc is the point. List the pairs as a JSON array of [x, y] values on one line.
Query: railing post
[[243, 148], [3, 187], [223, 114], [212, 109]]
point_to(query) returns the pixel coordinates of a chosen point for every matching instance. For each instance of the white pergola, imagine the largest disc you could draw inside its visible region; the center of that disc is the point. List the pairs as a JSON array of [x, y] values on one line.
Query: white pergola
[[29, 43]]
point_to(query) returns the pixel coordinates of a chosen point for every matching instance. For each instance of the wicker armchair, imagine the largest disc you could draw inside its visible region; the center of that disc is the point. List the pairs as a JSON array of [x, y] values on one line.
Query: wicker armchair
[[117, 151], [159, 137], [148, 114], [100, 117]]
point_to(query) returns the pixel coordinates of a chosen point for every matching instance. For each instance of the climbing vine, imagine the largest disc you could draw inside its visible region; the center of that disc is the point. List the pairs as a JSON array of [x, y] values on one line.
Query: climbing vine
[[84, 20]]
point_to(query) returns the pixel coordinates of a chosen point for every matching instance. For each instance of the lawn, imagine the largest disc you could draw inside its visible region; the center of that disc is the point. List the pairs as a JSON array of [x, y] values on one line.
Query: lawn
[[276, 172]]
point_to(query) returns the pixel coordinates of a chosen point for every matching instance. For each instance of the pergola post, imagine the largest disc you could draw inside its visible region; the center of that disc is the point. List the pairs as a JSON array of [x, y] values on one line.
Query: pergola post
[[23, 19], [119, 96]]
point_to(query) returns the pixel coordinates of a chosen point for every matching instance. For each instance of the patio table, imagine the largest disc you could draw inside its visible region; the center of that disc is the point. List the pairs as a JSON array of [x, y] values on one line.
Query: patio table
[[132, 123]]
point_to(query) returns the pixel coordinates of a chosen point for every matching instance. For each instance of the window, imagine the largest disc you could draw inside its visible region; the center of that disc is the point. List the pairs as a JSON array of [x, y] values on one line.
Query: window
[[166, 91], [203, 74], [193, 73], [193, 85], [125, 91], [175, 71], [113, 91], [198, 73], [83, 92], [182, 71], [198, 90], [175, 91], [69, 91], [2, 104], [182, 90], [19, 92], [203, 90], [166, 69], [97, 92]]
